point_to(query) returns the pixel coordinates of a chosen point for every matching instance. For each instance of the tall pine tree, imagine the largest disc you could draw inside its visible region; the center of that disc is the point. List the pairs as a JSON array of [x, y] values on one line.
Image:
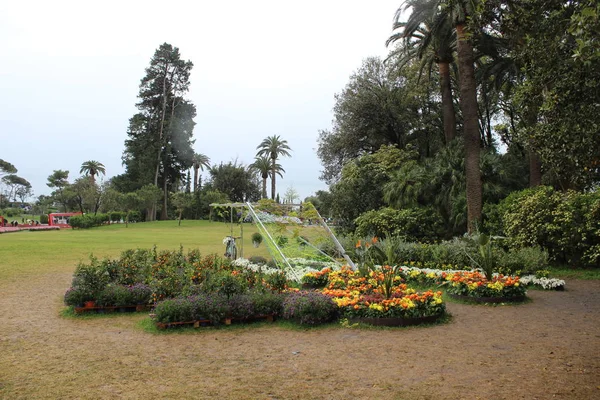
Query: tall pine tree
[[160, 136]]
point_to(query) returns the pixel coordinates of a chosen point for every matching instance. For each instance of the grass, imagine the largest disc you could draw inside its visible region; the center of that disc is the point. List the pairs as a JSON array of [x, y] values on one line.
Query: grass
[[571, 273], [27, 253], [47, 352]]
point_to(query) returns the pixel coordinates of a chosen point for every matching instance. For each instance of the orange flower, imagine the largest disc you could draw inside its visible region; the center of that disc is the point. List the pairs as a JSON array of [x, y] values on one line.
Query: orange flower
[[358, 244], [374, 240]]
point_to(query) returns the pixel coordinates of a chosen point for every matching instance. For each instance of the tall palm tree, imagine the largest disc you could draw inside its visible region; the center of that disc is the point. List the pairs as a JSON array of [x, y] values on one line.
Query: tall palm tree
[[92, 168], [272, 147], [263, 166], [460, 12], [428, 36], [199, 162]]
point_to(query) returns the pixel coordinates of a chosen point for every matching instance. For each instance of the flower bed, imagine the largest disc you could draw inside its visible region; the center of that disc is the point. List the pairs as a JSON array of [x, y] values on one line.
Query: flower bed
[[475, 285], [431, 277], [381, 295]]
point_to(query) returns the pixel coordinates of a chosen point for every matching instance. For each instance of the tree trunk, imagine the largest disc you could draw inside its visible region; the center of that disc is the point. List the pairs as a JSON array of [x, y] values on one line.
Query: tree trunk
[[264, 187], [163, 212], [447, 104], [273, 179], [535, 169], [468, 104], [196, 168]]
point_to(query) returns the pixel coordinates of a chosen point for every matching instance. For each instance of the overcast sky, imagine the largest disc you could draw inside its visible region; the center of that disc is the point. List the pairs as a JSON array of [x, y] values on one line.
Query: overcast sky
[[70, 73]]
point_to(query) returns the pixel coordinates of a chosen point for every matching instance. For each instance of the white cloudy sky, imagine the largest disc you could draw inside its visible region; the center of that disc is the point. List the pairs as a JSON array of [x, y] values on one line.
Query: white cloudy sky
[[70, 70]]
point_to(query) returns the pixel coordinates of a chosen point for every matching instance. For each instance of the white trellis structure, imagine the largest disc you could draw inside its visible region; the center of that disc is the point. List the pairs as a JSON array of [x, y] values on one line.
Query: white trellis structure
[[272, 246]]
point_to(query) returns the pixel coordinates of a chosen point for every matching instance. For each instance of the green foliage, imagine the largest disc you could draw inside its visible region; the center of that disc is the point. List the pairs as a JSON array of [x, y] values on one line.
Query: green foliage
[[76, 296], [564, 224], [276, 281], [88, 220], [281, 240], [44, 219], [309, 308], [415, 224], [92, 277], [257, 238], [115, 295]]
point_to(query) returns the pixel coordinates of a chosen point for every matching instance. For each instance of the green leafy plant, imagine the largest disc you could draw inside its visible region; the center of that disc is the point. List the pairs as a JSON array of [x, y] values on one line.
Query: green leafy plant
[[309, 308]]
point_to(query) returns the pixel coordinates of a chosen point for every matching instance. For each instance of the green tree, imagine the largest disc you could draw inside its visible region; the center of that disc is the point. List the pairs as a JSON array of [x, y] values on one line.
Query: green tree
[[381, 105], [199, 162], [262, 165], [92, 168], [273, 147], [181, 201], [159, 147], [428, 36], [59, 180], [235, 180], [15, 185]]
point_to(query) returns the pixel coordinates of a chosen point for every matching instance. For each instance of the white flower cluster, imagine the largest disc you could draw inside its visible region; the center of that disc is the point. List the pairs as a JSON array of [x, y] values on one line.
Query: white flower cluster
[[545, 283], [300, 267], [268, 218]]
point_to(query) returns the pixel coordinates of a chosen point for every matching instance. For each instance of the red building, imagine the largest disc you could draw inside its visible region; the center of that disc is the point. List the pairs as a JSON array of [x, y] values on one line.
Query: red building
[[61, 219]]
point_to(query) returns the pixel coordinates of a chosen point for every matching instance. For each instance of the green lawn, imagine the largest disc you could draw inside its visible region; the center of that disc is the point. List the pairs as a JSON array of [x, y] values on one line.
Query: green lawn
[[24, 253]]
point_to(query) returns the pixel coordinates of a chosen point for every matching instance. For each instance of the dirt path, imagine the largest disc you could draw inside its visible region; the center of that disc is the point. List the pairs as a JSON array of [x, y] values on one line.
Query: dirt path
[[548, 348]]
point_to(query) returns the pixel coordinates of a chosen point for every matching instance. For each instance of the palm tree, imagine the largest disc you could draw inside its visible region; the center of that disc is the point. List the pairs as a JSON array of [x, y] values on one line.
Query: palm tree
[[92, 168], [263, 166], [429, 37], [460, 12], [272, 147], [199, 162]]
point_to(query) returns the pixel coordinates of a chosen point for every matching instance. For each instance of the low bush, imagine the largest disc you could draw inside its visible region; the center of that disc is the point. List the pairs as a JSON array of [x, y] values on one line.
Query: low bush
[[76, 296], [115, 295], [309, 308], [44, 219], [413, 224], [88, 220]]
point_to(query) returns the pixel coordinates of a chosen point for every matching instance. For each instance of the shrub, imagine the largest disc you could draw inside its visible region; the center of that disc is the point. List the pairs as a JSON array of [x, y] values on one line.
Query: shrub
[[88, 220], [276, 281], [44, 219], [257, 238], [281, 241], [76, 296], [92, 277], [565, 224], [414, 224], [115, 295], [116, 216], [140, 293], [522, 261], [240, 306], [175, 310], [267, 302], [309, 308]]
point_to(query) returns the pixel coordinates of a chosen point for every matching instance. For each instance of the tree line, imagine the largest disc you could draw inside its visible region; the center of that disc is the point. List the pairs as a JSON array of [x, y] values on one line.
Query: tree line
[[476, 99]]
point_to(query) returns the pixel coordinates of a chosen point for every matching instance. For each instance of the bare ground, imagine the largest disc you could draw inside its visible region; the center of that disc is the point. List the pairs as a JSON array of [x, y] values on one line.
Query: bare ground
[[547, 348]]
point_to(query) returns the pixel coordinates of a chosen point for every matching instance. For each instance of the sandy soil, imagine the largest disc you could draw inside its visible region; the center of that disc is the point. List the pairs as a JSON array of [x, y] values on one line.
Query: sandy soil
[[547, 348]]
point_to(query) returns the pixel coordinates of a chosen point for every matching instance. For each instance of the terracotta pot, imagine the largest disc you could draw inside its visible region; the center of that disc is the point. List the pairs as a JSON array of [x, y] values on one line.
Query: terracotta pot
[[89, 304]]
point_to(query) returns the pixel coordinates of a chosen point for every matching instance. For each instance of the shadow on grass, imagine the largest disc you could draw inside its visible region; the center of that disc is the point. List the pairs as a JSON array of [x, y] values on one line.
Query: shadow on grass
[[149, 326]]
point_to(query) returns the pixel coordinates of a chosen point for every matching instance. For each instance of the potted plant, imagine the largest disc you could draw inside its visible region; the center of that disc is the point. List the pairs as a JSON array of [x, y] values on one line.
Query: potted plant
[[256, 239]]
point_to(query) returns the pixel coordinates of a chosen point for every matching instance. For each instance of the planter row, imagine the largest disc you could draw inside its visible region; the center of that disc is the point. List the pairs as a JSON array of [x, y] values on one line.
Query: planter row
[[132, 308], [207, 322]]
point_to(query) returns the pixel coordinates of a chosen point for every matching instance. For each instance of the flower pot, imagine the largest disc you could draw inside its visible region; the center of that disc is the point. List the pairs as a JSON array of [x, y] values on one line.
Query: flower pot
[[256, 244], [89, 304]]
